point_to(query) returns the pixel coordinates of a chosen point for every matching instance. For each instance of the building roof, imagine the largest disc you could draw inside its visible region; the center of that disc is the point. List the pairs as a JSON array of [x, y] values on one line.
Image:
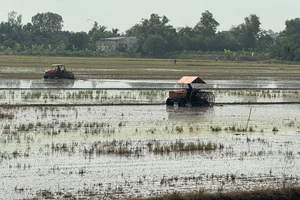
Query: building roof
[[115, 38], [55, 65], [190, 79]]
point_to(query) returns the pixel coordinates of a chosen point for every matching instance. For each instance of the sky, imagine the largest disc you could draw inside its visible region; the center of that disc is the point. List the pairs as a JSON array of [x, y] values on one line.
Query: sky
[[123, 14]]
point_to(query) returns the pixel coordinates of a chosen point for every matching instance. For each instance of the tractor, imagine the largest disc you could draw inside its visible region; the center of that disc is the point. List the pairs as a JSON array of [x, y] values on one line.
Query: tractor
[[194, 97], [58, 72]]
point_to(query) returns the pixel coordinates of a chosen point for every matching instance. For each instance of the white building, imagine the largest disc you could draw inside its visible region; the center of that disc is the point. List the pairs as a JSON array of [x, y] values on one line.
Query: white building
[[116, 43]]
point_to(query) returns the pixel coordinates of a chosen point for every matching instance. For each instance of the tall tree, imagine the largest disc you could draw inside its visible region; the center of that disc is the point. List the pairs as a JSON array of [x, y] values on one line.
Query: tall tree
[[13, 19], [207, 26], [79, 40], [98, 31], [247, 34], [28, 35], [47, 22], [115, 32], [288, 42], [154, 29], [155, 45], [185, 35], [11, 31], [291, 27], [264, 42]]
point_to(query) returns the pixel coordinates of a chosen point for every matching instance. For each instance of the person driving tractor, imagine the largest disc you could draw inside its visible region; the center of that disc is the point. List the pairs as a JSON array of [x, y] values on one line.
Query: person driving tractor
[[58, 69], [190, 96], [189, 90]]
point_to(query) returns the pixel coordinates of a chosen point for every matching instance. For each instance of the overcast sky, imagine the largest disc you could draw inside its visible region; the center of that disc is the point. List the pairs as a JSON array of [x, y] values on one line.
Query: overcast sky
[[79, 15]]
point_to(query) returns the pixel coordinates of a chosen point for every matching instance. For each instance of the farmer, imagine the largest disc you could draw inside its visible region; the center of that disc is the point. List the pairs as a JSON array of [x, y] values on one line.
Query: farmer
[[189, 90], [58, 69]]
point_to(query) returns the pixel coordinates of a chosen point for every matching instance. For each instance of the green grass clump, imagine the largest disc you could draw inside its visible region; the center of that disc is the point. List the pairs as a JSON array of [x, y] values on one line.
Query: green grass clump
[[6, 116], [215, 128]]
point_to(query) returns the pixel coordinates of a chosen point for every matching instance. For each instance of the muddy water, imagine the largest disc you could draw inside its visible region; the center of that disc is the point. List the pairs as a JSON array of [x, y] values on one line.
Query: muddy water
[[58, 151], [121, 151]]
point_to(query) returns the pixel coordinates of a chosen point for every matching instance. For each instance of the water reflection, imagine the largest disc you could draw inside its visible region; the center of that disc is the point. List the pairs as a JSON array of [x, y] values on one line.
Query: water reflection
[[8, 83], [252, 84], [52, 83], [248, 99], [183, 113]]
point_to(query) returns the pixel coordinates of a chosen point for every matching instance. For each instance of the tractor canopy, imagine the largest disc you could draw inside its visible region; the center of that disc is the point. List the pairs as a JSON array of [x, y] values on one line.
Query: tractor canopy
[[196, 97], [190, 79], [56, 65]]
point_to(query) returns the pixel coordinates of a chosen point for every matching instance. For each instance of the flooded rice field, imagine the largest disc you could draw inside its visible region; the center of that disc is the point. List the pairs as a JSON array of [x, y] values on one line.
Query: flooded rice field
[[138, 96], [139, 84], [60, 142]]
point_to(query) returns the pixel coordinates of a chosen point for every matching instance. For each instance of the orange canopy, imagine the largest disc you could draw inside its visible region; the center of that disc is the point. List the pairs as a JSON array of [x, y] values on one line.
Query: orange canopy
[[190, 79]]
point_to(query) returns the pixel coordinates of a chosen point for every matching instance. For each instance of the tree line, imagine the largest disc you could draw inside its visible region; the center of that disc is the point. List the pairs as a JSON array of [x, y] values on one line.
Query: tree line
[[157, 38]]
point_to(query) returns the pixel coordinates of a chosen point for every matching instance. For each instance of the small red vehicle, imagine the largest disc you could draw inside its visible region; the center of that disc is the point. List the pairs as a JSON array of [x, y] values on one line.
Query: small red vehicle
[[195, 97], [59, 72]]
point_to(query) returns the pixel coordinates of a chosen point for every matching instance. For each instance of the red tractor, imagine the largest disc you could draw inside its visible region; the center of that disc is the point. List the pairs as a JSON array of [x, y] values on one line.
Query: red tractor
[[59, 72], [190, 96]]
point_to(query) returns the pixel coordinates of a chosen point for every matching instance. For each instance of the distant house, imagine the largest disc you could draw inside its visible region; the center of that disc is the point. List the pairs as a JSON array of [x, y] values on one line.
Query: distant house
[[116, 43]]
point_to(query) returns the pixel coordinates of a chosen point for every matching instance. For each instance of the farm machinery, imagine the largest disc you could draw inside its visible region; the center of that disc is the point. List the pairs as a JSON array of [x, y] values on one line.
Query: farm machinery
[[59, 72], [190, 96]]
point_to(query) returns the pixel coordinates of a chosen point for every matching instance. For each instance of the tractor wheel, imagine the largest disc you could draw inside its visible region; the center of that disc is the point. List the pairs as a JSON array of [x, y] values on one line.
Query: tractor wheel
[[169, 102], [70, 75], [182, 102], [52, 76], [206, 98]]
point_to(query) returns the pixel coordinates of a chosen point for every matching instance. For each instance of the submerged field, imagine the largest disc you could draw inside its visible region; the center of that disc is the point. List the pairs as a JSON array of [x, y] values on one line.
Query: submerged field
[[111, 139], [124, 151], [123, 142]]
